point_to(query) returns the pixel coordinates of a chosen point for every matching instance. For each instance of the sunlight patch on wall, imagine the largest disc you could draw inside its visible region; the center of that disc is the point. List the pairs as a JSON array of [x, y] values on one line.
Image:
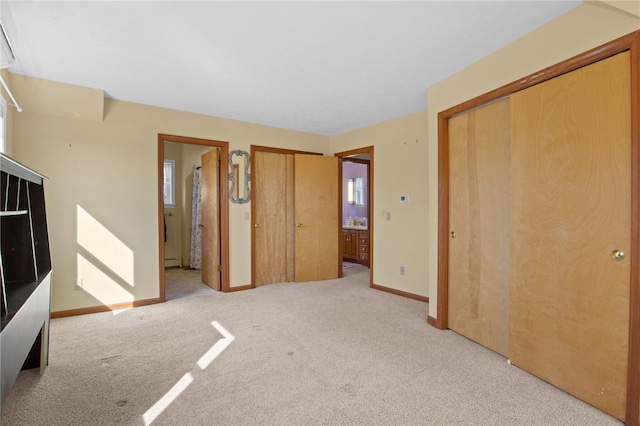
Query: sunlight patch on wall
[[104, 246], [100, 285]]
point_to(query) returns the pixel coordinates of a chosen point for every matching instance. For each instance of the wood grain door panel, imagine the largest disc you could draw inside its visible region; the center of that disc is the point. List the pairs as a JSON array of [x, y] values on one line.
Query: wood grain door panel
[[316, 218], [210, 219], [479, 215], [270, 222], [570, 209]]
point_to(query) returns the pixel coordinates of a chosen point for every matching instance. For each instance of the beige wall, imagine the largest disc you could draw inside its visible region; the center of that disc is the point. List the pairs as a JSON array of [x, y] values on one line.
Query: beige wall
[[585, 27], [102, 189], [399, 163], [100, 156], [10, 111]]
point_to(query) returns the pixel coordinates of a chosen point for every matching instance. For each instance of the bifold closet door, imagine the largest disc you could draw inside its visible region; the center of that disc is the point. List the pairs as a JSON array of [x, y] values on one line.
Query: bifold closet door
[[273, 234], [316, 218], [479, 217], [570, 232]]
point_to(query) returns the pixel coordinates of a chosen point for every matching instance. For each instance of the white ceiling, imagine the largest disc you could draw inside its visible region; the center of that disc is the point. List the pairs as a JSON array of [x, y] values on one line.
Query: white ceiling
[[320, 67]]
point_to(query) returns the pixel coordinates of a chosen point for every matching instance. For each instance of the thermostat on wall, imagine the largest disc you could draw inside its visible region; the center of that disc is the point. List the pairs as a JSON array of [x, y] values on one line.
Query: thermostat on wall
[[404, 198]]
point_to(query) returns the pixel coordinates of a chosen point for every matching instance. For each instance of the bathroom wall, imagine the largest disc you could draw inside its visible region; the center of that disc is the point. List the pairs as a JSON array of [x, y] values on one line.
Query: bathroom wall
[[351, 171]]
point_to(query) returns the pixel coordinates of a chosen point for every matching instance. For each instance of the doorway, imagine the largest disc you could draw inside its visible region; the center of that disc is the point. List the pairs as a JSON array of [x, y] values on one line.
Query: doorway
[[220, 265], [364, 156]]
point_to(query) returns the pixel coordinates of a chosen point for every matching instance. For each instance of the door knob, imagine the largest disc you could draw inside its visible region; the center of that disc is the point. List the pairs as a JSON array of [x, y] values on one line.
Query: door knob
[[617, 255], [453, 234], [299, 225], [200, 225], [256, 225]]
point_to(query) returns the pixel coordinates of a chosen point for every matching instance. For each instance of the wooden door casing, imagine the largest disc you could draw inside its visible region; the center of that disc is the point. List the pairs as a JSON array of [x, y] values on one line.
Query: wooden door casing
[[479, 216], [210, 219], [571, 209], [223, 211]]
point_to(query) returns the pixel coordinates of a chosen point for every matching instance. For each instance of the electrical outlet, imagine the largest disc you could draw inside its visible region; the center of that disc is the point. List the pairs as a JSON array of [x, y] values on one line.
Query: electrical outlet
[[79, 284], [402, 270]]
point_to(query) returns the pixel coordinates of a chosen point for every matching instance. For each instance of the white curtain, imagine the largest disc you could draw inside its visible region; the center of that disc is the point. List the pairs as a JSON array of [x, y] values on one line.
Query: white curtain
[[195, 259]]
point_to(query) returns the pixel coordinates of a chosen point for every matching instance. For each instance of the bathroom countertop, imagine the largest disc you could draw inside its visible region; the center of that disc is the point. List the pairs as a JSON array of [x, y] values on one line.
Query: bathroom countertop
[[355, 227]]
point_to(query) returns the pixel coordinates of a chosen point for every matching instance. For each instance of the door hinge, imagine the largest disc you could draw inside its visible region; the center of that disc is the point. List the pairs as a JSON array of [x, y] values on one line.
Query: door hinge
[[218, 163], [219, 268]]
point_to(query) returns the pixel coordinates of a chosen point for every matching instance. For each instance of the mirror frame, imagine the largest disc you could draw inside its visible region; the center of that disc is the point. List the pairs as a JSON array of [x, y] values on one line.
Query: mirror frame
[[233, 180]]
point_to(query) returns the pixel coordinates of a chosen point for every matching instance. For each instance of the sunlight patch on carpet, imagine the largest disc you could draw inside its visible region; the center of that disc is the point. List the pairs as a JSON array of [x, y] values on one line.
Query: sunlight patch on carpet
[[216, 349], [167, 399], [164, 402]]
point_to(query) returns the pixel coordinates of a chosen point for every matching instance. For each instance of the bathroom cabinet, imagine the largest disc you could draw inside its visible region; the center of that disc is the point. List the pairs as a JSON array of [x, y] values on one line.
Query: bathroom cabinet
[[25, 272], [355, 245], [350, 245], [363, 248]]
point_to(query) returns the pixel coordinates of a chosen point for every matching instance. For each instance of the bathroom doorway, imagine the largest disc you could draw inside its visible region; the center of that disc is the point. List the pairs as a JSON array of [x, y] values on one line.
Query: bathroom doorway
[[355, 210], [189, 154]]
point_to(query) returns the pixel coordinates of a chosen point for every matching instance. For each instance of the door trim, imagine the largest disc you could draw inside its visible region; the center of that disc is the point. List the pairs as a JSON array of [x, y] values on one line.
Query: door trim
[[254, 194], [341, 155], [629, 42], [224, 205]]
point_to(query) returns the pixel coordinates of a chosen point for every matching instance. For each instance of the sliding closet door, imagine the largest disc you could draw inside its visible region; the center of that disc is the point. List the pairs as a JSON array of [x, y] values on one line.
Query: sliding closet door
[[271, 249], [570, 232], [479, 210]]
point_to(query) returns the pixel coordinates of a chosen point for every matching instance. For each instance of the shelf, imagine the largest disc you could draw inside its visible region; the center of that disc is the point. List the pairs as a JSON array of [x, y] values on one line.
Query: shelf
[[25, 263], [17, 294], [13, 213]]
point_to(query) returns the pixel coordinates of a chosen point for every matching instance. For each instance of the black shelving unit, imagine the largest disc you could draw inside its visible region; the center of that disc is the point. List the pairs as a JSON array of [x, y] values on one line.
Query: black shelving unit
[[25, 272]]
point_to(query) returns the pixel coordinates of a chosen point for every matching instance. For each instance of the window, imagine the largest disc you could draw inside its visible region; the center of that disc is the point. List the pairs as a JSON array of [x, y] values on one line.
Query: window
[[3, 125], [169, 183]]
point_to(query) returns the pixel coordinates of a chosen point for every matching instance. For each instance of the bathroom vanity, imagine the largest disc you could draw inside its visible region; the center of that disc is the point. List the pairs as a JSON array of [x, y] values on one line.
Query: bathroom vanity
[[355, 244]]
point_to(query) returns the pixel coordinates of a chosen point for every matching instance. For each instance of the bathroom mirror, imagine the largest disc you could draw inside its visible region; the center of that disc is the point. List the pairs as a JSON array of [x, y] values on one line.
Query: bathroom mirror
[[239, 191]]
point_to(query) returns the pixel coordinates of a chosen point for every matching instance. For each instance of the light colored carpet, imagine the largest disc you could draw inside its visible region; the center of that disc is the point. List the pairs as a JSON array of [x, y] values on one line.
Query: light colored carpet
[[322, 353], [184, 282]]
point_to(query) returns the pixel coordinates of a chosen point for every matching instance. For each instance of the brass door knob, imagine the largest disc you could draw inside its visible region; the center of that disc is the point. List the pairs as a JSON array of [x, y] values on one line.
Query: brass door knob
[[617, 255], [256, 225], [299, 225], [453, 234]]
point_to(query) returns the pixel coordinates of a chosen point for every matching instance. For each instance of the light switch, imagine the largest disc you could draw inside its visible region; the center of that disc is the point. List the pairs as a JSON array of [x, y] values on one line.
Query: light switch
[[388, 216]]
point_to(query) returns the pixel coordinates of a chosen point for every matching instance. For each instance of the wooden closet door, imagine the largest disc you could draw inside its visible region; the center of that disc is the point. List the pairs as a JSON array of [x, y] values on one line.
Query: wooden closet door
[[316, 216], [570, 194], [479, 216], [271, 250]]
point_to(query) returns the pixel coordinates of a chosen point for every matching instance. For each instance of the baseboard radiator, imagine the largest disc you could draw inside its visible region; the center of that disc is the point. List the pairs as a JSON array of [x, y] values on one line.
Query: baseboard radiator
[[173, 262]]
